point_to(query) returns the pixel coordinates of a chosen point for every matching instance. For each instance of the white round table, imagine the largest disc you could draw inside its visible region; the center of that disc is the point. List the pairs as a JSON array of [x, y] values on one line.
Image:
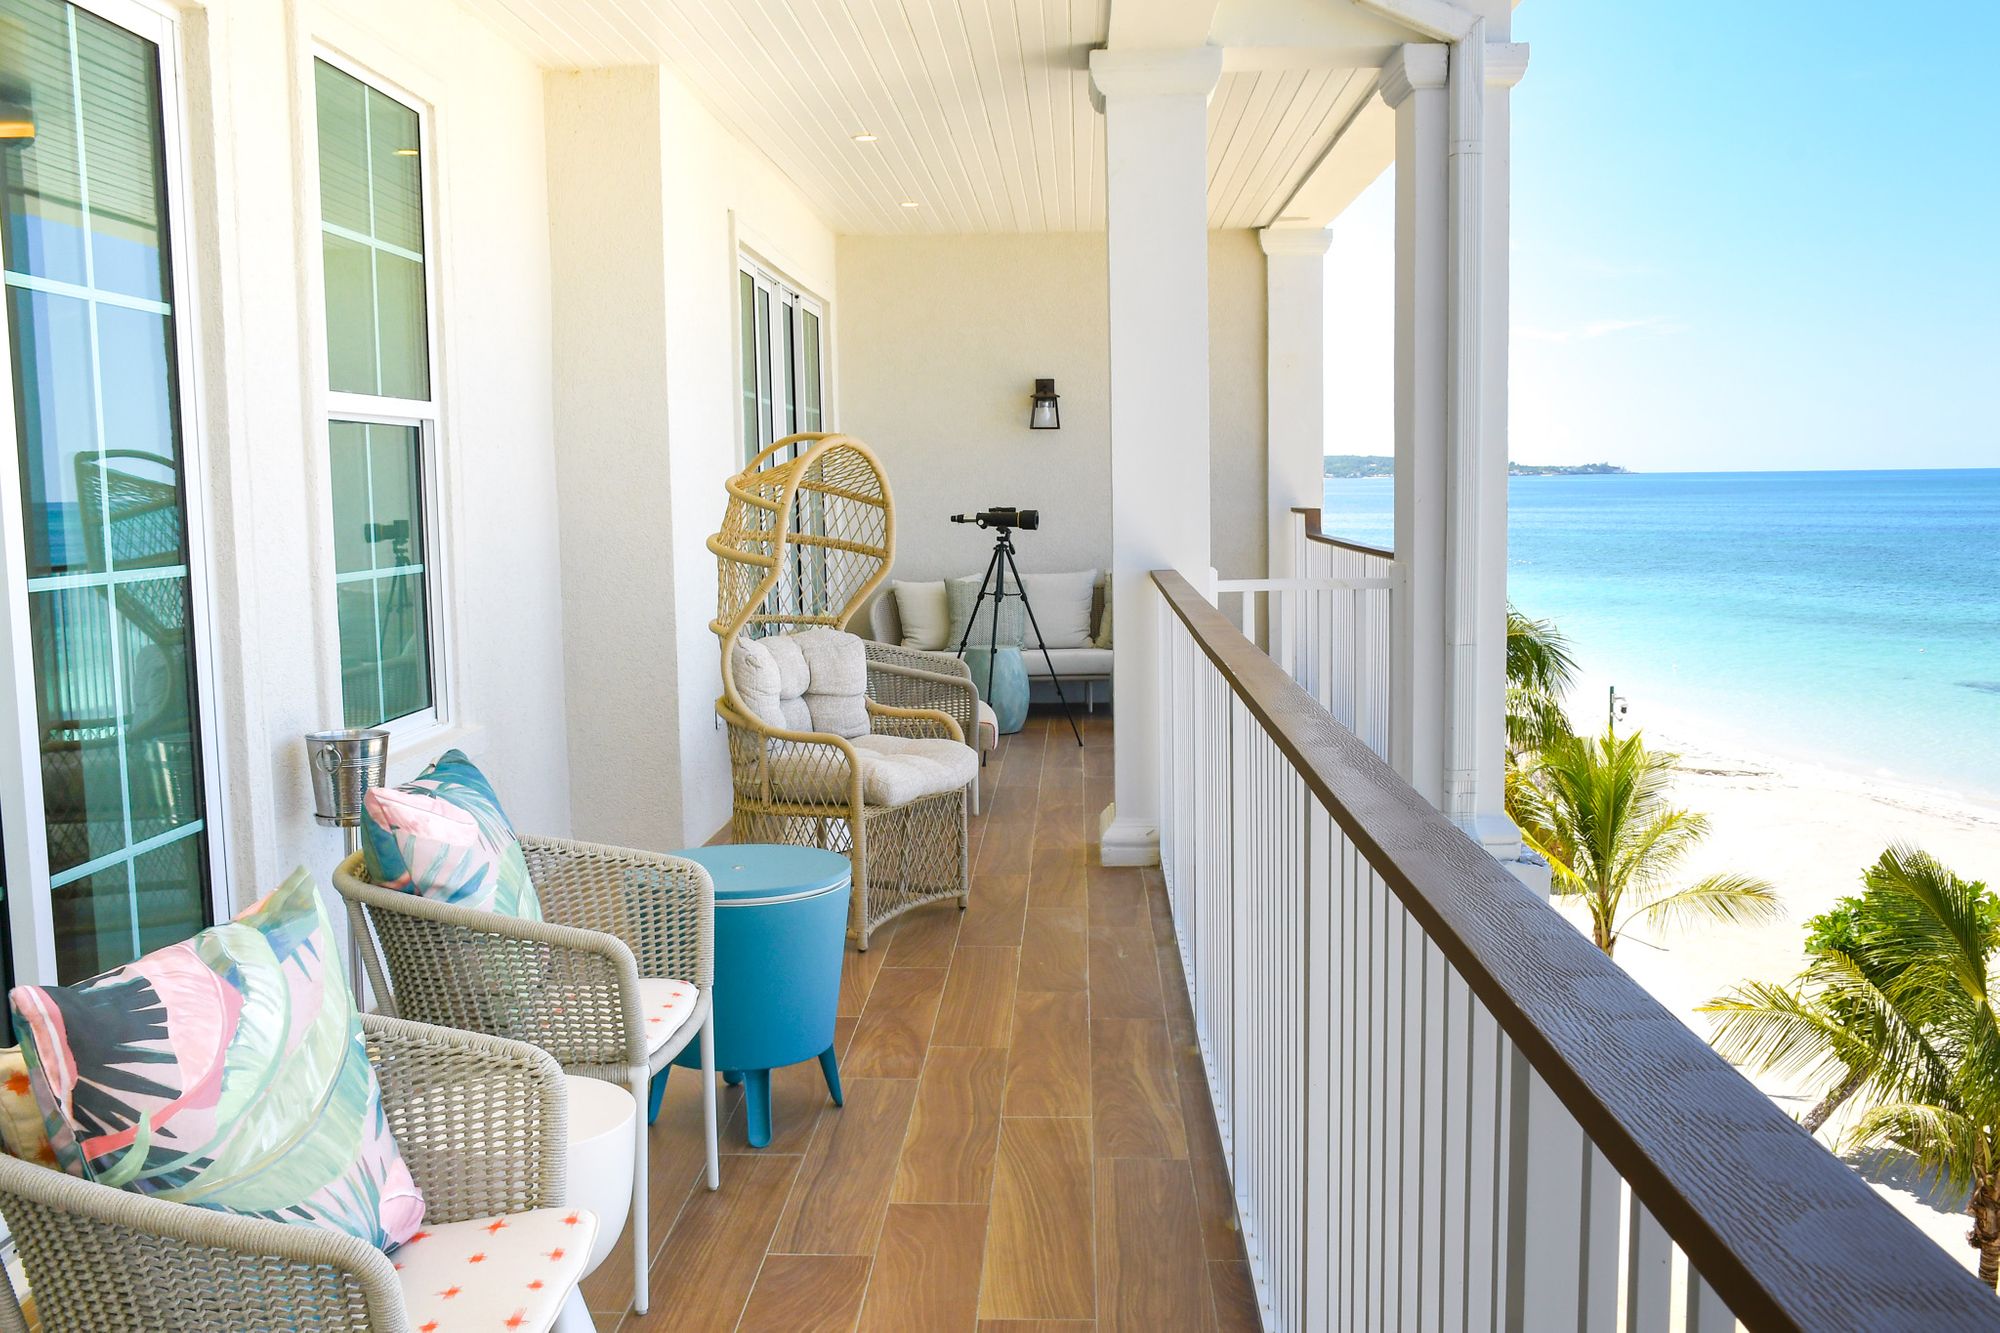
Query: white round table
[[600, 1174]]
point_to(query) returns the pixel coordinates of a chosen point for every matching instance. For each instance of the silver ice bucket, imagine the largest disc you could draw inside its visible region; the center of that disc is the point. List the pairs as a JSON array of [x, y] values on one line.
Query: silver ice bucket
[[345, 764]]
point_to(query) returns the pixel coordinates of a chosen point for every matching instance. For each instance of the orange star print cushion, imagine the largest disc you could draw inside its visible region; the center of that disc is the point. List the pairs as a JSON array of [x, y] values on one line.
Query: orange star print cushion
[[494, 1274]]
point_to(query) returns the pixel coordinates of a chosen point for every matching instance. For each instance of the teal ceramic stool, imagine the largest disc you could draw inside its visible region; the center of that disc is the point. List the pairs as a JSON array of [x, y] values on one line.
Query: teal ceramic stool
[[1008, 697], [780, 934]]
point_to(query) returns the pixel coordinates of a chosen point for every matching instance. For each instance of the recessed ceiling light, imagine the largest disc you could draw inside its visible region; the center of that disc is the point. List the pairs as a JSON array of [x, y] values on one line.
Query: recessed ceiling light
[[864, 137], [909, 203]]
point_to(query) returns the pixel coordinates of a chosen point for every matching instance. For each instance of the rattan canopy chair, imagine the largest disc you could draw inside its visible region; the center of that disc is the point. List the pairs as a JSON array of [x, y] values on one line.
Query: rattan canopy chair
[[481, 1124], [614, 981], [806, 539]]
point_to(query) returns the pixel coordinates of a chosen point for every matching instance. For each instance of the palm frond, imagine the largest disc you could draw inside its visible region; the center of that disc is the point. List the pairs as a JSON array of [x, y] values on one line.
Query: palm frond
[[1775, 1029], [1943, 1144], [1732, 898]]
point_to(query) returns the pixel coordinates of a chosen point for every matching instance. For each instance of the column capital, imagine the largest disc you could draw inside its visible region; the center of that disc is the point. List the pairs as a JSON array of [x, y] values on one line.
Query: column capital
[[1506, 62], [1413, 67], [1187, 73], [1309, 241]]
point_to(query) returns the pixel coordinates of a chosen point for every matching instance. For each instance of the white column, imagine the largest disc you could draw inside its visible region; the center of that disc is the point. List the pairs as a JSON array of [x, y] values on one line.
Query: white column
[[1413, 84], [1295, 305], [1156, 224]]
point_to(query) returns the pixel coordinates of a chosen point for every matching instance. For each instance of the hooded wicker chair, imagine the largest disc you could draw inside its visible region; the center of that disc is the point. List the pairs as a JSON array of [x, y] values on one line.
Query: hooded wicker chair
[[806, 539]]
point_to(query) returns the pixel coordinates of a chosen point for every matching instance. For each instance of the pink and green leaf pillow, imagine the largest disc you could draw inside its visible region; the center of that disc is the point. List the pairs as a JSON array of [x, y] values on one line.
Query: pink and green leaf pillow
[[226, 1071], [443, 835]]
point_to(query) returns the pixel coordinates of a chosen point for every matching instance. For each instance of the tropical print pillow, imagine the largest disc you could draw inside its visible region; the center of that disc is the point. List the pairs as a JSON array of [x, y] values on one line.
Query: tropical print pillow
[[443, 835], [226, 1071]]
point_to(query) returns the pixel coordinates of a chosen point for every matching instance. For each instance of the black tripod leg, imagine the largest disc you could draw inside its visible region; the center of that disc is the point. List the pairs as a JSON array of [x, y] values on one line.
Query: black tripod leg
[[966, 637], [1028, 606]]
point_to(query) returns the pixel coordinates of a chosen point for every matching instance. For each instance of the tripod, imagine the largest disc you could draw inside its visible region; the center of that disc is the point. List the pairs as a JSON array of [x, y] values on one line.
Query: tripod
[[994, 585]]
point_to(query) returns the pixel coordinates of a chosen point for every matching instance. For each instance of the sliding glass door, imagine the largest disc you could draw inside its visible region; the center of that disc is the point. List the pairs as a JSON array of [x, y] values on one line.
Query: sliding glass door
[[103, 780], [781, 346]]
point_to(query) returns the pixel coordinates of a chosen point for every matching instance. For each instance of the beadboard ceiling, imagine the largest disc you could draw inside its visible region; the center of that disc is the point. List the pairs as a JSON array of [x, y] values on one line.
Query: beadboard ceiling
[[981, 108]]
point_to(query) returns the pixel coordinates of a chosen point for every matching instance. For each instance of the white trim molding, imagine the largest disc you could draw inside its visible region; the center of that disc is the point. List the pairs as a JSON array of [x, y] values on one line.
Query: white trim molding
[[1193, 72], [1306, 241], [1127, 842], [1415, 67], [1506, 63]]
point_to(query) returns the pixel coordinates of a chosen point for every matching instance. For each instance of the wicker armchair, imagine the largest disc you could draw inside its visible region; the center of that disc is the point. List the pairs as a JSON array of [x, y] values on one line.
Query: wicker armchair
[[806, 538], [941, 682], [578, 984], [481, 1123]]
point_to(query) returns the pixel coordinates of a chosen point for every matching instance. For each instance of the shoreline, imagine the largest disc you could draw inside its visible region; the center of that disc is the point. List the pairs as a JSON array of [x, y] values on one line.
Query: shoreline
[[1810, 828]]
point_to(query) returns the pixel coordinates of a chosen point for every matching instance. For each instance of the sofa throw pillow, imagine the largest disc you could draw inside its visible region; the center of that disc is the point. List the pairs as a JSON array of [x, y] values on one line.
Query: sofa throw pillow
[[443, 835], [1103, 639], [925, 613], [962, 593], [1062, 606], [836, 680], [24, 1132], [226, 1071]]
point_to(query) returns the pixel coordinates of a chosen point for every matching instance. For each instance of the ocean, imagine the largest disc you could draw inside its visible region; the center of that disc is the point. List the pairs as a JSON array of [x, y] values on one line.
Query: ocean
[[1850, 618]]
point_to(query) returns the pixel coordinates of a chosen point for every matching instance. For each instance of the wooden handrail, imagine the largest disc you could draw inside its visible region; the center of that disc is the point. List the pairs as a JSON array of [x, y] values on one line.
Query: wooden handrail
[[1316, 532], [1786, 1234]]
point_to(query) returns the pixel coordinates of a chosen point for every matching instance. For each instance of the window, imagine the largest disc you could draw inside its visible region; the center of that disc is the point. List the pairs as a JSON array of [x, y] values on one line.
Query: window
[[107, 799], [382, 415], [781, 346]]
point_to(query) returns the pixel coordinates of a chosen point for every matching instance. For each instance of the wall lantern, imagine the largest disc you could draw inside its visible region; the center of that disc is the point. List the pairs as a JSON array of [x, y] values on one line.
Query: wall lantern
[[1045, 415]]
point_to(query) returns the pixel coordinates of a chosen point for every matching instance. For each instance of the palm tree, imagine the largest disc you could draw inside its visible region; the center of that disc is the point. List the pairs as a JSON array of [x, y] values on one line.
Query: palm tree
[[1598, 810], [1897, 1006], [1539, 672]]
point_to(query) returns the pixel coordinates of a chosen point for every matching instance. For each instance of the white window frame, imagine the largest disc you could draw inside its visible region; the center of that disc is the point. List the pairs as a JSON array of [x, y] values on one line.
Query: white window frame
[[23, 813], [783, 295], [427, 415]]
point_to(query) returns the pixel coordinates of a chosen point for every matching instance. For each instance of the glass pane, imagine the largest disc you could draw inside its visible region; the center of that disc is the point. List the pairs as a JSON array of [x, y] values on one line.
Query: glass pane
[[350, 315], [349, 446], [809, 399], [399, 297], [406, 661], [103, 497], [379, 554], [764, 435], [43, 191], [122, 145], [746, 298], [78, 705], [343, 148], [788, 372], [371, 211], [396, 172], [54, 409]]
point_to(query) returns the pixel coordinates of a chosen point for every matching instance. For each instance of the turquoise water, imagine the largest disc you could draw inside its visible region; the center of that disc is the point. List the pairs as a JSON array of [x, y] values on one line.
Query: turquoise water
[[1850, 616]]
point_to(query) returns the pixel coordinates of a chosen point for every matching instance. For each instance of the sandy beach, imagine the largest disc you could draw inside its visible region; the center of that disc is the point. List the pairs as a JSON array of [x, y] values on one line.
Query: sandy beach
[[1810, 828]]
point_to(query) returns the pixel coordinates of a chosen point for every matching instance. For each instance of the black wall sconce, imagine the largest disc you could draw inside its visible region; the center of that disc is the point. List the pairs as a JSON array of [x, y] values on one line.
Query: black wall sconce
[[1045, 415]]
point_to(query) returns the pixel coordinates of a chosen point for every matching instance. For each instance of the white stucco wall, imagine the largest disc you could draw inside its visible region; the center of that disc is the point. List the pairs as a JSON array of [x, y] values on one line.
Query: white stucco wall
[[262, 465], [653, 199], [941, 339]]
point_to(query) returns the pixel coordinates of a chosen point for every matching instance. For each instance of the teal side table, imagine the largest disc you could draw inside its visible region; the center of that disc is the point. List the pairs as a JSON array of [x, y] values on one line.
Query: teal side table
[[780, 935], [1008, 697]]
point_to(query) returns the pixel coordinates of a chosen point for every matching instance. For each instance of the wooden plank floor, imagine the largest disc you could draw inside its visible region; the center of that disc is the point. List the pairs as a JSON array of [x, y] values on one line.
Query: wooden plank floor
[[1027, 1144]]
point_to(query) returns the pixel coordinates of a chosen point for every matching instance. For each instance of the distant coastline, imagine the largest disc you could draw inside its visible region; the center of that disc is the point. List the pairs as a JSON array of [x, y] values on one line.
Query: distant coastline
[[1349, 466]]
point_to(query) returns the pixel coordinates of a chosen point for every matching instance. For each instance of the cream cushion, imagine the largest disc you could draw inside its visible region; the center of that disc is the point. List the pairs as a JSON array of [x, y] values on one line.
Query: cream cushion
[[815, 680], [1069, 662], [899, 769], [1061, 603], [510, 1272], [925, 612], [666, 1005], [989, 726]]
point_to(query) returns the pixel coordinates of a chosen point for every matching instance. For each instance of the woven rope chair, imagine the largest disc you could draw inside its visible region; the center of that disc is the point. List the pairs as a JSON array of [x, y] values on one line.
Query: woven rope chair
[[807, 537], [570, 983], [482, 1126]]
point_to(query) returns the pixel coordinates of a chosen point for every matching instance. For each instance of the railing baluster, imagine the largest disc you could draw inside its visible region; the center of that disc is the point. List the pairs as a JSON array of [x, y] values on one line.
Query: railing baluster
[[1603, 1196], [1547, 1222], [1705, 1311], [1649, 1273]]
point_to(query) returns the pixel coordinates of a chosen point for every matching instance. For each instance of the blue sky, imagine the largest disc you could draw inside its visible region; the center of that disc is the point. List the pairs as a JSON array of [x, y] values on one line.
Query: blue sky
[[1746, 236]]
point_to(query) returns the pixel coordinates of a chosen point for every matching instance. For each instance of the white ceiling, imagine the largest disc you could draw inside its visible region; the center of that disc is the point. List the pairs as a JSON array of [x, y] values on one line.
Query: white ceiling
[[981, 107]]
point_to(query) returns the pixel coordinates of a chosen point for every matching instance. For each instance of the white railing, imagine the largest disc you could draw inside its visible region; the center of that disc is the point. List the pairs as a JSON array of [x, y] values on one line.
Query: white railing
[[1441, 1107], [1330, 626]]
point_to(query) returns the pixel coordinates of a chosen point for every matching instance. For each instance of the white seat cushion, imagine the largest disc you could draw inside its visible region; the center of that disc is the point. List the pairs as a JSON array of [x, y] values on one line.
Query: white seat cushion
[[1069, 662], [989, 726], [508, 1273], [666, 1005], [898, 769]]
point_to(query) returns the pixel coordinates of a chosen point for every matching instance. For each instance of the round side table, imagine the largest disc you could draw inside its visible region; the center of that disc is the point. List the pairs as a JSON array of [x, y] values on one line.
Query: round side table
[[1001, 678], [600, 1176], [780, 935]]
